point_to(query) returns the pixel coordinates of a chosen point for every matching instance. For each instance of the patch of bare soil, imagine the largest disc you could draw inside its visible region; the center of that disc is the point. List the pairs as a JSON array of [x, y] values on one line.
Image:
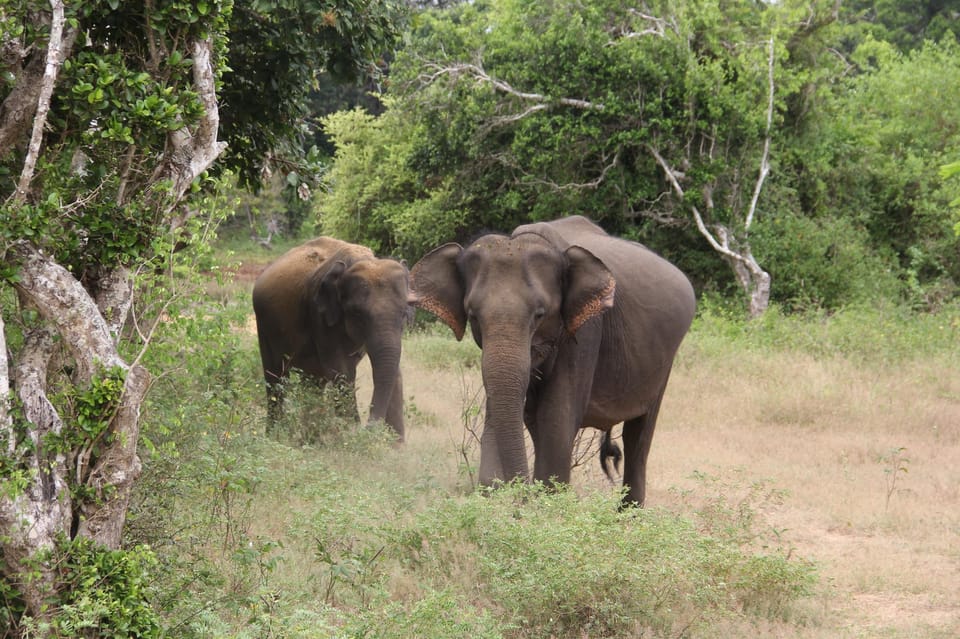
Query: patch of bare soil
[[248, 271]]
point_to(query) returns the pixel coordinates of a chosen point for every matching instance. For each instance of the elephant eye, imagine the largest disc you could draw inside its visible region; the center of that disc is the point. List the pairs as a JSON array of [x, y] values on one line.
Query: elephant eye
[[539, 313]]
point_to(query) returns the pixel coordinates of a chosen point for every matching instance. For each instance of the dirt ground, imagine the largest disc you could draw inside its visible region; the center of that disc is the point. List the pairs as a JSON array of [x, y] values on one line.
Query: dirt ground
[[868, 491]]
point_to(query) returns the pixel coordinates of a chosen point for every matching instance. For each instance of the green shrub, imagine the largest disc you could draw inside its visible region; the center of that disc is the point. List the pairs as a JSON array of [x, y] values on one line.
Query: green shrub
[[822, 263], [105, 594], [438, 615], [555, 564]]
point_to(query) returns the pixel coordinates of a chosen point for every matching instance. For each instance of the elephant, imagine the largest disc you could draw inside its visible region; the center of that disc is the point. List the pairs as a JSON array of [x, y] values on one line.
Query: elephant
[[323, 305], [577, 329]]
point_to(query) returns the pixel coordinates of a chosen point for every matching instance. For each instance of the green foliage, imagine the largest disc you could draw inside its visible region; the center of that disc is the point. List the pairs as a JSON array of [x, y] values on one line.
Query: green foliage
[[90, 412], [102, 593], [276, 52], [905, 23], [948, 171], [884, 136], [559, 564], [98, 202], [822, 263], [854, 151]]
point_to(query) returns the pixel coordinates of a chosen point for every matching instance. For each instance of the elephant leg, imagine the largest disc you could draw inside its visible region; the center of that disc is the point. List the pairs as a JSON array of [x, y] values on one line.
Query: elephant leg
[[560, 405], [637, 437], [554, 455], [275, 378], [395, 409]]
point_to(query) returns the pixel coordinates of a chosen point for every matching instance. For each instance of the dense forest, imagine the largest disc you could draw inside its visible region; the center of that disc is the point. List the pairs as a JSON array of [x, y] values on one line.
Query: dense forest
[[798, 160], [788, 151]]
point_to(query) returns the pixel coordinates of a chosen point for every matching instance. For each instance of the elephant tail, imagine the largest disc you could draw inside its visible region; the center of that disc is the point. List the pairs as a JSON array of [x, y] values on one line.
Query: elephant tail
[[608, 450]]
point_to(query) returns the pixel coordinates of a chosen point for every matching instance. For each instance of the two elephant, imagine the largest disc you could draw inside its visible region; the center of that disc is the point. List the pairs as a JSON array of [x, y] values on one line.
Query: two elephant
[[577, 328]]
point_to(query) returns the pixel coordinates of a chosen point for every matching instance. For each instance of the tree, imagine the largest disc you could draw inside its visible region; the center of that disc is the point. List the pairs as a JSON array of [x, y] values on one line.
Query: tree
[[668, 116], [904, 23], [880, 138], [110, 123]]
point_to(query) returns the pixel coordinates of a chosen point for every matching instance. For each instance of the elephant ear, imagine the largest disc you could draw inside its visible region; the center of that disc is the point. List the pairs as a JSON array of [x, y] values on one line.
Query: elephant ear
[[436, 286], [324, 299], [590, 288]]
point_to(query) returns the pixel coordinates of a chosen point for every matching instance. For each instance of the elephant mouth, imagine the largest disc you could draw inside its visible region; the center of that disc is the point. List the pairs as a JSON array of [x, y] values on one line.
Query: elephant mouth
[[542, 353]]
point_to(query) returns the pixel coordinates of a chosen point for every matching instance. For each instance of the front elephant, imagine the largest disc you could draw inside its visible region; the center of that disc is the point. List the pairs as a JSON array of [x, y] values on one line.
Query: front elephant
[[323, 305], [577, 329]]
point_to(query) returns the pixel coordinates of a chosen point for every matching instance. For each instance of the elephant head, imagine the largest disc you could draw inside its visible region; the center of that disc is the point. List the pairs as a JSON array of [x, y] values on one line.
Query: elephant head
[[520, 296], [359, 309]]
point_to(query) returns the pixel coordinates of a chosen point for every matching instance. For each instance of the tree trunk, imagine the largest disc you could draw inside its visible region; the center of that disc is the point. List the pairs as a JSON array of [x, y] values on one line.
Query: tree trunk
[[754, 281], [43, 511], [36, 506]]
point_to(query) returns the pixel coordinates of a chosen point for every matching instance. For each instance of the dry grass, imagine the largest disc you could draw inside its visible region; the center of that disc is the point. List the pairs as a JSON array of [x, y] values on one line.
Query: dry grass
[[822, 434]]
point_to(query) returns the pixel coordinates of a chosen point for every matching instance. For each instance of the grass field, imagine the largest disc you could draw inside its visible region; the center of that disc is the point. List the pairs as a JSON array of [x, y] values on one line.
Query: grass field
[[804, 482]]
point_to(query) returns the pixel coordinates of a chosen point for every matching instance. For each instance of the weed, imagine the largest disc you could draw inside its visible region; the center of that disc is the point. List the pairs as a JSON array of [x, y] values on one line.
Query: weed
[[471, 415], [895, 464]]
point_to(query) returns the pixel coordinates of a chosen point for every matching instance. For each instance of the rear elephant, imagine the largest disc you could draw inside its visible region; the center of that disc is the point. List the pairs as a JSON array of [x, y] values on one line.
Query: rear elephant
[[323, 305], [577, 329]]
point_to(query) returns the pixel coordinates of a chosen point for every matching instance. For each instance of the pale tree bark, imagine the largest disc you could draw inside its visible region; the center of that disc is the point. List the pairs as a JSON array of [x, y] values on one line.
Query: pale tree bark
[[26, 106], [191, 152], [80, 327], [733, 249]]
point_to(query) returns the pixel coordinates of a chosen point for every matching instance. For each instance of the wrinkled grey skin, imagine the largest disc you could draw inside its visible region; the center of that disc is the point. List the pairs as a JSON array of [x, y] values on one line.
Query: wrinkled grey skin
[[577, 329], [320, 307]]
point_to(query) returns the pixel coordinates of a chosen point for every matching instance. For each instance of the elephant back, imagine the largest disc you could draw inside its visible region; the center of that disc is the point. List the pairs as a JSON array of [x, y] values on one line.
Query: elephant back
[[291, 270]]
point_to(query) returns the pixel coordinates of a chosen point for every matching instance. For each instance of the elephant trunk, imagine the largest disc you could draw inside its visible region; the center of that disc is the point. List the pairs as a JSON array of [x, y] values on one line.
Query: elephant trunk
[[506, 373], [385, 364]]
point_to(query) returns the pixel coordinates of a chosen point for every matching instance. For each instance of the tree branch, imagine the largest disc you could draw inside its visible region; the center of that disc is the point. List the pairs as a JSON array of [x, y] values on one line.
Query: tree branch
[[722, 247], [64, 302], [191, 153], [592, 184], [765, 160], [477, 72], [51, 69], [658, 28]]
